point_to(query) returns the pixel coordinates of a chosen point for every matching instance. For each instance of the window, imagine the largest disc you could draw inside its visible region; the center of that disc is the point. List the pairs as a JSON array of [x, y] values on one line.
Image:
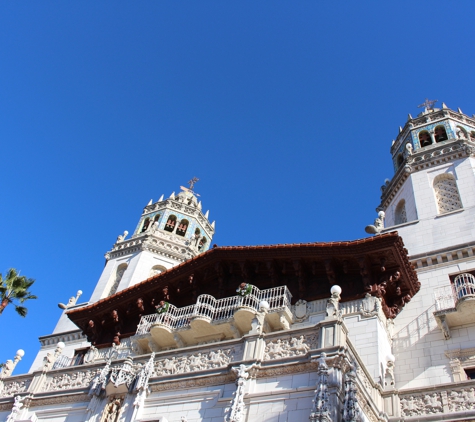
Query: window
[[400, 213], [424, 138], [440, 134], [470, 373], [156, 218], [171, 222], [156, 269], [182, 227], [446, 193], [464, 285], [118, 276], [202, 243], [400, 160], [146, 223]]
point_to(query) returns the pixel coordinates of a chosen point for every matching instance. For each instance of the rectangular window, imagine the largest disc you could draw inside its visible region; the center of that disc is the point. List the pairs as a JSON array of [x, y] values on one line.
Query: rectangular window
[[470, 373]]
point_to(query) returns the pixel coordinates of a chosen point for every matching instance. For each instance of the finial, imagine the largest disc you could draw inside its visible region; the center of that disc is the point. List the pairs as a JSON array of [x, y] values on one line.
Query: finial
[[172, 196], [199, 205], [161, 199], [213, 224], [460, 111], [393, 142], [400, 129], [444, 106], [207, 214], [192, 182], [428, 104], [409, 117], [150, 202]]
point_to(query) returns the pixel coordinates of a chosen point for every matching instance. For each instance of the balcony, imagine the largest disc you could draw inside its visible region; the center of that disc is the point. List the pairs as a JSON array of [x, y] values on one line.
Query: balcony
[[210, 319], [455, 303]]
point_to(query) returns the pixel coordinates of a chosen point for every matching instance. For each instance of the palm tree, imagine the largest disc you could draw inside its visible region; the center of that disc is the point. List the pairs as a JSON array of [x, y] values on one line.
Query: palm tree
[[15, 288]]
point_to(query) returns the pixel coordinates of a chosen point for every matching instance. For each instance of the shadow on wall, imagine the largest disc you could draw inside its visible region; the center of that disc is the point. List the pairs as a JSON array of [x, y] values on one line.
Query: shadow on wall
[[413, 332]]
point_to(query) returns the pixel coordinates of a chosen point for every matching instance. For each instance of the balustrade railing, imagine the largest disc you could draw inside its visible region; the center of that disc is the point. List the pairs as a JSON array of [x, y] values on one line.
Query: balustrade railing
[[206, 306], [446, 297]]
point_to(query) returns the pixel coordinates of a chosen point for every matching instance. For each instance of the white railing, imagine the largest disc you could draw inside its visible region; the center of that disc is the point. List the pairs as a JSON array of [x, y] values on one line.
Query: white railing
[[446, 297], [207, 306]]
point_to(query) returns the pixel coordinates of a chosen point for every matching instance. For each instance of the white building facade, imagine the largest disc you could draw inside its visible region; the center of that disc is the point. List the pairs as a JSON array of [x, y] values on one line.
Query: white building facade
[[344, 331]]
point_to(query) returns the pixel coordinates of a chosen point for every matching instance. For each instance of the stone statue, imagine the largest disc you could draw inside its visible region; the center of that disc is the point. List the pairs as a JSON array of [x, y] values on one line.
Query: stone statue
[[461, 134], [371, 305], [409, 148], [17, 405], [378, 224], [122, 237], [333, 304], [71, 302]]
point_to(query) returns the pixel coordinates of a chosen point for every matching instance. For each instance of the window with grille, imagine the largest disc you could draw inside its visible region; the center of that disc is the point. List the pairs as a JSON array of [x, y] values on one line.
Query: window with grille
[[400, 213], [446, 193]]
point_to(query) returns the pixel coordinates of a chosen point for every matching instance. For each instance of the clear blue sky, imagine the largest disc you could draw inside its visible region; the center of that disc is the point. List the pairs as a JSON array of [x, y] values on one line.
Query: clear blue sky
[[284, 110]]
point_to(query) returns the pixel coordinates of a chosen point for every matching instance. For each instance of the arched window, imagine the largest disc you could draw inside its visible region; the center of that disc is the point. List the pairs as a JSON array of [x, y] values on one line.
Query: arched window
[[182, 227], [156, 218], [170, 223], [400, 213], [145, 225], [202, 243], [446, 193], [157, 269], [424, 138], [400, 160], [116, 280], [440, 134]]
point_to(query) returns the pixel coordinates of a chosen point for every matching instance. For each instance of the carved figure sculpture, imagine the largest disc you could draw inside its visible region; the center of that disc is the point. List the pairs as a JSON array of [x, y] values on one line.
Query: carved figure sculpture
[[236, 410], [333, 306], [71, 302], [17, 405], [121, 237], [320, 411], [378, 224], [409, 148]]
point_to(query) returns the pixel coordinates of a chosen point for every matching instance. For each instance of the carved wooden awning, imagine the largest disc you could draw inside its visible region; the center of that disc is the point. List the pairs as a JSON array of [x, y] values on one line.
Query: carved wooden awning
[[378, 265]]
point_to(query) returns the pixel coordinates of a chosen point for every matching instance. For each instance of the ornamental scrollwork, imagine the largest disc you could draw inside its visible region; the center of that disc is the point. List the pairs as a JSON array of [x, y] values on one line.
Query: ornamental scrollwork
[[78, 379], [425, 404], [15, 387]]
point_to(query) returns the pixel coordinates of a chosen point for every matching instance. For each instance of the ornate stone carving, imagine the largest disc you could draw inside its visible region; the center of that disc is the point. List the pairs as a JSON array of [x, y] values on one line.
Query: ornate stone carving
[[15, 387], [235, 413], [112, 410], [300, 310], [17, 405], [351, 412], [461, 400], [421, 405], [320, 411], [294, 346], [371, 305], [378, 224], [123, 374], [191, 363], [76, 379], [141, 383]]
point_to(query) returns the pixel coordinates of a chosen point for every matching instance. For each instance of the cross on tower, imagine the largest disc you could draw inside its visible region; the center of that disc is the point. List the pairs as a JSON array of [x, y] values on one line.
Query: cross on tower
[[192, 182], [428, 104]]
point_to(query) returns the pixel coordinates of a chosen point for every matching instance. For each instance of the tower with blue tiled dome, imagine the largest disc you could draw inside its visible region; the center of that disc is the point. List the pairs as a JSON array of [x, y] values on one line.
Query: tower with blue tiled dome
[[169, 232]]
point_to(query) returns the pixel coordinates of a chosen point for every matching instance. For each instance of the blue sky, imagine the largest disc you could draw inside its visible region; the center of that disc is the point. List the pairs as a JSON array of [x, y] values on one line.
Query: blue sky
[[284, 110]]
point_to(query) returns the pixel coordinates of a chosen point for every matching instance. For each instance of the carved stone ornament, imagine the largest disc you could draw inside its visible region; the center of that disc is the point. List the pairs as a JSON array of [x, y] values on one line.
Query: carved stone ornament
[[294, 346], [425, 404], [17, 405], [236, 411], [351, 412], [320, 411], [76, 379], [112, 410], [124, 374], [14, 387], [141, 382], [300, 310], [191, 363], [370, 306]]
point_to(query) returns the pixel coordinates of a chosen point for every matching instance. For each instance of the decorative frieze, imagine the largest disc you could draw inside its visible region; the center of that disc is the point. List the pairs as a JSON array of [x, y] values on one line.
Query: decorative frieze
[[10, 388], [424, 404], [196, 362], [290, 347], [69, 380]]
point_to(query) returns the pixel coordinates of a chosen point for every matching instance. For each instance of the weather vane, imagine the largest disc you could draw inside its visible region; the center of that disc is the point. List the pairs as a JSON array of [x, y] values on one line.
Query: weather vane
[[428, 104], [192, 183]]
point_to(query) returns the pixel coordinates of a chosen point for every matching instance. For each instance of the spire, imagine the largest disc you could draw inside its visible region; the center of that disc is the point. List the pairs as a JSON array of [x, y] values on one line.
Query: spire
[[460, 111], [207, 214], [172, 196], [161, 198], [199, 205], [444, 106], [213, 224], [400, 129], [150, 202], [409, 117]]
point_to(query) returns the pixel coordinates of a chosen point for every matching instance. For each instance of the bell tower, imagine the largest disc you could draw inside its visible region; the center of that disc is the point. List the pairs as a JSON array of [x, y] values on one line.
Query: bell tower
[[169, 232], [430, 199]]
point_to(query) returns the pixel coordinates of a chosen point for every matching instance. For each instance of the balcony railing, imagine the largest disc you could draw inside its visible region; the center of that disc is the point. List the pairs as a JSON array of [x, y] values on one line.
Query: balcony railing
[[217, 310], [446, 297]]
